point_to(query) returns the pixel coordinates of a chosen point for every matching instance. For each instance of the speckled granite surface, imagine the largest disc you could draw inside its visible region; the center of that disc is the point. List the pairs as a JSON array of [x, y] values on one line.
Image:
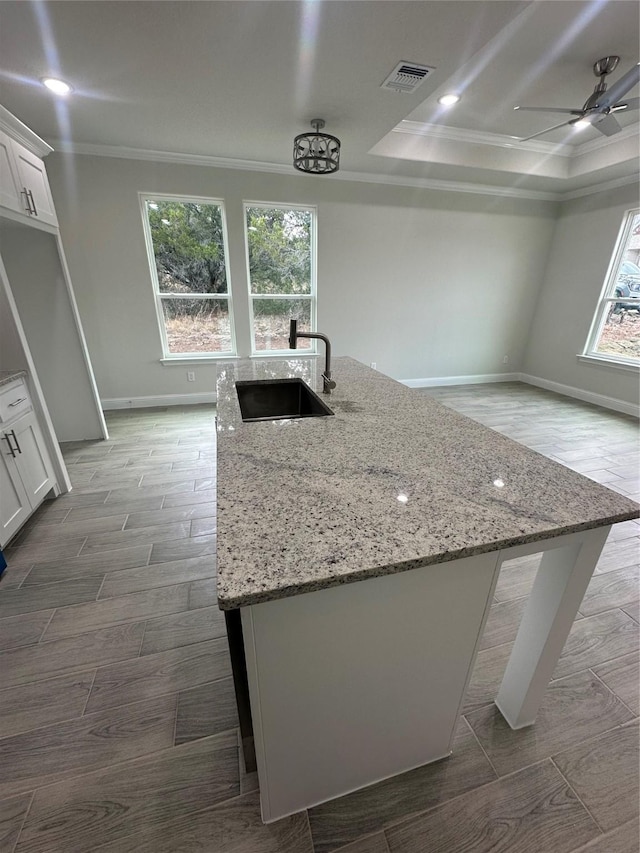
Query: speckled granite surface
[[393, 481], [7, 376]]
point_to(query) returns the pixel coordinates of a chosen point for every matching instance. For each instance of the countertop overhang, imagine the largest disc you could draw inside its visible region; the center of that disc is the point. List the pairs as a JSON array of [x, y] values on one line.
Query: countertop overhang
[[394, 481], [7, 376]]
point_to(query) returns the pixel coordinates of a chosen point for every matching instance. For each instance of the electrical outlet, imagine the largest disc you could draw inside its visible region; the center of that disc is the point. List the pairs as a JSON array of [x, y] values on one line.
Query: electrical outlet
[[505, 359], [373, 365], [191, 376]]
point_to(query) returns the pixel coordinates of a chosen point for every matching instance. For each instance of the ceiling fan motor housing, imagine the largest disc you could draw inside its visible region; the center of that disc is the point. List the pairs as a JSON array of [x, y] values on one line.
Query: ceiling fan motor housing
[[605, 65], [599, 108], [601, 68]]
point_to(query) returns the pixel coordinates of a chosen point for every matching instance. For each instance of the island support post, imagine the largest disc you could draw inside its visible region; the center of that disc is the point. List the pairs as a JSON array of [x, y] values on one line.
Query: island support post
[[558, 590]]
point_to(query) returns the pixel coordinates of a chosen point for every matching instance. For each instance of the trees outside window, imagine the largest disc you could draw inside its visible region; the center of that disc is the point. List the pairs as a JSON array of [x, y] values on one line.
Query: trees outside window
[[282, 281], [187, 245], [615, 331]]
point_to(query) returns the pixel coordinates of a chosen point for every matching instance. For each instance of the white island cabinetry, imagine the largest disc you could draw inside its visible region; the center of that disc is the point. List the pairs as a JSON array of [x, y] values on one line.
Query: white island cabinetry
[[359, 553]]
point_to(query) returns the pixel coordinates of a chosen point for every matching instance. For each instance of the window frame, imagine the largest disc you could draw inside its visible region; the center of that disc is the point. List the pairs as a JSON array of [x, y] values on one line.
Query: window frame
[[313, 292], [167, 355], [607, 298]]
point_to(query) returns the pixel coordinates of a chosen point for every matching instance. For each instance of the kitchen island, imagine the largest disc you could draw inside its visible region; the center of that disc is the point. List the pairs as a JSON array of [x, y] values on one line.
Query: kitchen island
[[360, 552]]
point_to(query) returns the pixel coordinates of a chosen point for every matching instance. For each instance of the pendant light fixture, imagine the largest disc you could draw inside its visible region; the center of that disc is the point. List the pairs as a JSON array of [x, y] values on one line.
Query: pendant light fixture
[[316, 153]]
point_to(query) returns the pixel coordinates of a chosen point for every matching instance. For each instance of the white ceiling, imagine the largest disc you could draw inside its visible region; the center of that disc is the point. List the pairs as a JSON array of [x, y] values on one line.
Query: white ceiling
[[239, 80]]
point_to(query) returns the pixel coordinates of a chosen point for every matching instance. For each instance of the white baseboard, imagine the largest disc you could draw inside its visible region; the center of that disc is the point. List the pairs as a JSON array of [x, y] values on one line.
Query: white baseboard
[[566, 390], [431, 382], [477, 379], [162, 400], [585, 396]]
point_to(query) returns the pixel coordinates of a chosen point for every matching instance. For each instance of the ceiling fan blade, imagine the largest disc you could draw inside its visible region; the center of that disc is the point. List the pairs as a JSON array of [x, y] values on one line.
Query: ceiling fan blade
[[607, 125], [628, 104], [620, 88], [549, 110], [542, 132]]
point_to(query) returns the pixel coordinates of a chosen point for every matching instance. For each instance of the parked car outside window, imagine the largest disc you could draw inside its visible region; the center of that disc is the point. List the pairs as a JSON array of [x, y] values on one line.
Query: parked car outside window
[[628, 287]]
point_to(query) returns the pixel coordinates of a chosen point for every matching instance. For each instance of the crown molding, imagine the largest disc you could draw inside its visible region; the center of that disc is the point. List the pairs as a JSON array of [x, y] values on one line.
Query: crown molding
[[210, 161], [153, 156], [498, 140], [476, 137], [613, 184], [451, 186], [603, 141], [22, 134]]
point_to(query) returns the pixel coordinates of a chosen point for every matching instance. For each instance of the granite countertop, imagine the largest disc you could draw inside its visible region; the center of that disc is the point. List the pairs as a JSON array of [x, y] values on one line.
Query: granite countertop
[[7, 376], [394, 480]]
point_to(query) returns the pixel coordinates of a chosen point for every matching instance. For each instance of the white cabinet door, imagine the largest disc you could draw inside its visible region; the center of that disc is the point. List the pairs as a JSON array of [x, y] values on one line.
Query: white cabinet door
[[32, 460], [35, 183], [9, 180], [26, 473], [15, 506]]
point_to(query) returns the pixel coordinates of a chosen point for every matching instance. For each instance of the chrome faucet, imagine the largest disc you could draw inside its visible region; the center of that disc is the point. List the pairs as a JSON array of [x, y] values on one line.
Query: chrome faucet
[[294, 334]]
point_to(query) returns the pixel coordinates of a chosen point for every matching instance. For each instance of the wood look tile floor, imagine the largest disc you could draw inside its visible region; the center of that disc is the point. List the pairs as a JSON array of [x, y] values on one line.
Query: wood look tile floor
[[118, 726]]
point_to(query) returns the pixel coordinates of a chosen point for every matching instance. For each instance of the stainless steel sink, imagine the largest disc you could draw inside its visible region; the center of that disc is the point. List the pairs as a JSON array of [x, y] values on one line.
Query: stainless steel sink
[[275, 399]]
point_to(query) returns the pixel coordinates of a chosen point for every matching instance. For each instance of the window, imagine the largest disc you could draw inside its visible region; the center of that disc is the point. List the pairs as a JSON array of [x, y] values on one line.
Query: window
[[186, 240], [282, 275], [615, 332]]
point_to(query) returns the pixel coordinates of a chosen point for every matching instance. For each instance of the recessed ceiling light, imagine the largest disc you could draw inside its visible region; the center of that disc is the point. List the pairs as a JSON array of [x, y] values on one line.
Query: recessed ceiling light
[[580, 125], [59, 87], [448, 100]]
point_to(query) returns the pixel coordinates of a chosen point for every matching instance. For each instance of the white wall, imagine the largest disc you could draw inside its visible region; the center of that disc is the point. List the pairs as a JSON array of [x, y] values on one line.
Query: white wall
[[424, 283], [39, 289], [583, 243], [12, 356]]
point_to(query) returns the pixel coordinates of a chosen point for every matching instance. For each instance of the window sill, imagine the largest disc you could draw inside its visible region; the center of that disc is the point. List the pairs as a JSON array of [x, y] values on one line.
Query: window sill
[[194, 359], [606, 361], [189, 360], [294, 353]]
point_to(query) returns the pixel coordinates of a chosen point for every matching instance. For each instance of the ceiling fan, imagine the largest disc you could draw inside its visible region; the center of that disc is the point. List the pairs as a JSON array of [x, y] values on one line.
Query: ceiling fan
[[600, 107]]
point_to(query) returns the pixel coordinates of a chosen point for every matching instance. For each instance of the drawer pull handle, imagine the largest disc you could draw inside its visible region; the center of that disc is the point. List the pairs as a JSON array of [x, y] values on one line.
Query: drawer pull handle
[[15, 438], [17, 402], [8, 440], [25, 193]]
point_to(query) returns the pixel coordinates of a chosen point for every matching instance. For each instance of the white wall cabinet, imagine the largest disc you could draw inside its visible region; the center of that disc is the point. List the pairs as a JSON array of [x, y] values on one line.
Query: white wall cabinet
[[24, 183], [9, 180], [35, 185], [26, 473]]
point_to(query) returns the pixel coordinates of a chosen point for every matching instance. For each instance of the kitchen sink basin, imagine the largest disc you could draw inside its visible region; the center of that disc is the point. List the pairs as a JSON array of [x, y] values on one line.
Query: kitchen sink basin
[[275, 399]]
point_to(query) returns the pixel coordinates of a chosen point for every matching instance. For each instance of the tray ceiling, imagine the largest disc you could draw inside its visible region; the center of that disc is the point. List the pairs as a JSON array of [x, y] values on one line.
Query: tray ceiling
[[238, 80]]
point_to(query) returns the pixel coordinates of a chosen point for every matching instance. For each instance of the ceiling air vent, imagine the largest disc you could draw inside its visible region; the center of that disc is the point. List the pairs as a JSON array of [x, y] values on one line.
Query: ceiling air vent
[[406, 77]]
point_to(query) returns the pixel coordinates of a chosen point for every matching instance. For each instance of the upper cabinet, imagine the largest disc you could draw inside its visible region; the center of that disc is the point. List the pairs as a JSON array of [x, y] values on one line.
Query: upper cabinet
[[24, 186], [9, 186], [35, 185]]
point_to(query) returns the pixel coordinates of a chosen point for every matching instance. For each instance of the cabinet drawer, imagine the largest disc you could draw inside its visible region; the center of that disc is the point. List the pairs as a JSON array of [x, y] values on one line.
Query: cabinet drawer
[[14, 400]]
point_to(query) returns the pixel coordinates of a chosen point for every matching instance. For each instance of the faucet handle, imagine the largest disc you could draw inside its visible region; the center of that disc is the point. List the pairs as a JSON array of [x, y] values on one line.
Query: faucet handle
[[327, 383], [293, 334]]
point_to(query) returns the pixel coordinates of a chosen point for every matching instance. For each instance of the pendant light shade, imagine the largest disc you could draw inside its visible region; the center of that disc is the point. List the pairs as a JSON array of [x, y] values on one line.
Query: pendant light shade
[[316, 153]]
